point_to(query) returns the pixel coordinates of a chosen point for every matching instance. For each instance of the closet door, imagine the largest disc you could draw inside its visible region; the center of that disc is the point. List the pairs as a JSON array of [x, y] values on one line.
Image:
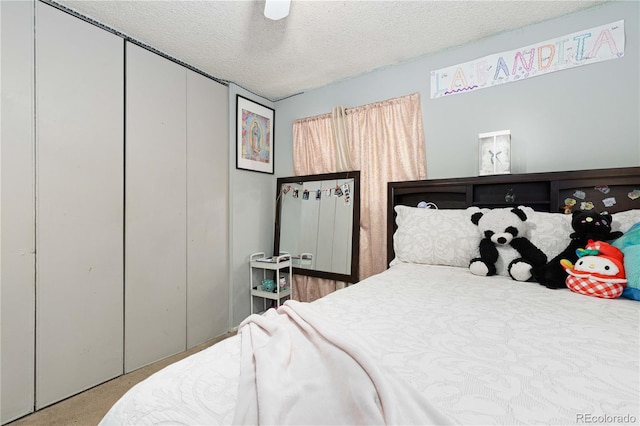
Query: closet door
[[155, 208], [17, 226], [207, 206], [79, 219]]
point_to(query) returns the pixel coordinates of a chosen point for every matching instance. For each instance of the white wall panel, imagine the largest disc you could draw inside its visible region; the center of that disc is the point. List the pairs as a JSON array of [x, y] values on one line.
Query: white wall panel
[[79, 160], [207, 207], [17, 200], [155, 208]]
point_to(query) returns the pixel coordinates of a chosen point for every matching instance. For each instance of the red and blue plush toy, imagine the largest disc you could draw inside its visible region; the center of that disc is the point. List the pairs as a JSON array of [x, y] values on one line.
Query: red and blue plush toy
[[587, 225], [598, 272]]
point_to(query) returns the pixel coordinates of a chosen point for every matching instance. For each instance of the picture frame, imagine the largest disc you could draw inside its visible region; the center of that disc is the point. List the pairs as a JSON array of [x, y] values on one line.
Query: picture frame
[[255, 125], [494, 153]]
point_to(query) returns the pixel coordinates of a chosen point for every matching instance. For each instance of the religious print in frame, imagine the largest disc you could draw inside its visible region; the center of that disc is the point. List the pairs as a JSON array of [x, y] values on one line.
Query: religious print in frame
[[254, 136]]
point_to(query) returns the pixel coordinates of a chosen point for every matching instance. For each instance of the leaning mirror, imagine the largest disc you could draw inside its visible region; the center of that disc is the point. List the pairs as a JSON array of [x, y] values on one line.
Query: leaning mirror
[[318, 224]]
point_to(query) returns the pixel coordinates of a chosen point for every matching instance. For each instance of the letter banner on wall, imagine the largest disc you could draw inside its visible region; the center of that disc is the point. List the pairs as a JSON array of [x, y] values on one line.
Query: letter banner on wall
[[573, 50]]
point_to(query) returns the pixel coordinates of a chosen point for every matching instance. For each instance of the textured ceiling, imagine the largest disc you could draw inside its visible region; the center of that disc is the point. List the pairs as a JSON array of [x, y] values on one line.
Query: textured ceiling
[[318, 43]]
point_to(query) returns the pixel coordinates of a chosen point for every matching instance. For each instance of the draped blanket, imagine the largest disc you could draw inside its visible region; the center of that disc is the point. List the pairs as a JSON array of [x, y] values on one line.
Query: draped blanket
[[298, 368]]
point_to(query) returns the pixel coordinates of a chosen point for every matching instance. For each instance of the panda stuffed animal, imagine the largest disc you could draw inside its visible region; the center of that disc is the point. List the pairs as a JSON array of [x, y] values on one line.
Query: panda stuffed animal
[[503, 237]]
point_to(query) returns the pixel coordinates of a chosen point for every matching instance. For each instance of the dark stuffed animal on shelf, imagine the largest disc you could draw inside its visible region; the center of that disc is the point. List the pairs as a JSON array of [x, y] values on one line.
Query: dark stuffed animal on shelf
[[503, 230], [587, 225]]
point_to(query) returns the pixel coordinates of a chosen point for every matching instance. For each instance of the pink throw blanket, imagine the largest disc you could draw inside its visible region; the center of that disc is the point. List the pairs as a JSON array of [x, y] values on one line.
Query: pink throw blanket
[[298, 368]]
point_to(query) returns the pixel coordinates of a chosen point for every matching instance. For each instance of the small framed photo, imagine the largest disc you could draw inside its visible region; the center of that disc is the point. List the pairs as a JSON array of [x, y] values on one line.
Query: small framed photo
[[254, 136], [494, 153]]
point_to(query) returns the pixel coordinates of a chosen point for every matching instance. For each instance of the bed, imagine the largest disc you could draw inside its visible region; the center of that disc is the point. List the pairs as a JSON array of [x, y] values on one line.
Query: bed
[[426, 341]]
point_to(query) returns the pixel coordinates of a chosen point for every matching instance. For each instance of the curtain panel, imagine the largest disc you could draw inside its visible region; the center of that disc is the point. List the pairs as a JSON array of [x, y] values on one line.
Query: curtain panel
[[386, 144], [314, 152], [385, 141]]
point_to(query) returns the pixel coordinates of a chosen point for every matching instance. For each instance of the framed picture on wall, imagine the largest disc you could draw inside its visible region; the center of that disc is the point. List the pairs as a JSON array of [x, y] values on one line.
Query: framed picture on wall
[[495, 153], [254, 136]]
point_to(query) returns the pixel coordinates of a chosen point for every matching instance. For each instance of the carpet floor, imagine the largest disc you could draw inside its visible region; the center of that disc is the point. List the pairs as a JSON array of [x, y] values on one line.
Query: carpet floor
[[89, 407]]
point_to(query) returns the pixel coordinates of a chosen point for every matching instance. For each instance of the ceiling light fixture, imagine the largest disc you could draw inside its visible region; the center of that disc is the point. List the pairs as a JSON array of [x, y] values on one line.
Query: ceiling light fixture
[[276, 9]]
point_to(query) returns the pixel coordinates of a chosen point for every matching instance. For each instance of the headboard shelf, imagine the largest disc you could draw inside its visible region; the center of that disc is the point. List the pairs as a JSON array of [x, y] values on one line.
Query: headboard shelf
[[536, 205], [505, 194], [606, 189]]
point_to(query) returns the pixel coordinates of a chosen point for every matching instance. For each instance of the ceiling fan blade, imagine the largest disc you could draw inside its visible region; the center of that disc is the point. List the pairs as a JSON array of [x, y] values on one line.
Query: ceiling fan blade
[[276, 9]]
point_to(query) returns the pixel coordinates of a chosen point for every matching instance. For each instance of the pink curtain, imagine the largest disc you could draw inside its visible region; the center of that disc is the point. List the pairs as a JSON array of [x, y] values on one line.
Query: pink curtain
[[314, 152], [387, 144], [314, 149], [385, 141]]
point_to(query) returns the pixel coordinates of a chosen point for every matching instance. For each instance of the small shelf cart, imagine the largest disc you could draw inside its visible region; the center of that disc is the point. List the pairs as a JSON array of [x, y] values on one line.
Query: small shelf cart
[[271, 267]]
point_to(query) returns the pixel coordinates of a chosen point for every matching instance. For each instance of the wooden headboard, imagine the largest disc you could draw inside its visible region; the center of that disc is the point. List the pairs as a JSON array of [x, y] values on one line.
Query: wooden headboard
[[541, 191]]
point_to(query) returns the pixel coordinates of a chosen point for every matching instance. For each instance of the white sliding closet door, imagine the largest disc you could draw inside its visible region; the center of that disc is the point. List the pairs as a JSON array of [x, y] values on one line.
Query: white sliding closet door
[[207, 206], [17, 226], [79, 220], [155, 208]]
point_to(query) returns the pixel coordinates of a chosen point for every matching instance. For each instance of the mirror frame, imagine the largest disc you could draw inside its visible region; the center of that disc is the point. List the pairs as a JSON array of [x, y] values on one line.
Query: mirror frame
[[352, 277]]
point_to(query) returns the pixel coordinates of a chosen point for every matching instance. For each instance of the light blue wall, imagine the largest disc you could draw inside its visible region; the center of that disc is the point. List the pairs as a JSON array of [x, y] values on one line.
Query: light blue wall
[[252, 200], [581, 118]]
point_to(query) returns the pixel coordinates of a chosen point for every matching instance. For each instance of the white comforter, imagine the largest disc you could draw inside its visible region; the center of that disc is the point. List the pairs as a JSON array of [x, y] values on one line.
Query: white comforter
[[480, 350]]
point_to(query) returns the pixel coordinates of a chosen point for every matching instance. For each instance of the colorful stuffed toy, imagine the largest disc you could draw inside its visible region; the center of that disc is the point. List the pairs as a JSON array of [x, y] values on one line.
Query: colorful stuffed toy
[[504, 231], [587, 225], [598, 272], [629, 243]]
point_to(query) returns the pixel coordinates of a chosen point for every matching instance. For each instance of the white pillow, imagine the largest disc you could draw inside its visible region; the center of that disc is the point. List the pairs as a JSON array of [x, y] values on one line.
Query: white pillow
[[623, 221], [550, 232], [448, 237], [435, 236]]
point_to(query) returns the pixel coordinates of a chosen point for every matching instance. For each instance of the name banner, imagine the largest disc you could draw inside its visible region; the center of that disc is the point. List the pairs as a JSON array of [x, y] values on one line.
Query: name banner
[[573, 50]]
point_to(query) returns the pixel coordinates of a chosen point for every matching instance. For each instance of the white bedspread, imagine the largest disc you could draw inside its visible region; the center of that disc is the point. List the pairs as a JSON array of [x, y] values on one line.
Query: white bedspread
[[299, 368], [481, 350]]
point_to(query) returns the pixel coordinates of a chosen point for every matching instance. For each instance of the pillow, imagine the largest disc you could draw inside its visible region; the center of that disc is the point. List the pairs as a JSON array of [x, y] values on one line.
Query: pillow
[[448, 237], [435, 236], [623, 221], [629, 243], [550, 232]]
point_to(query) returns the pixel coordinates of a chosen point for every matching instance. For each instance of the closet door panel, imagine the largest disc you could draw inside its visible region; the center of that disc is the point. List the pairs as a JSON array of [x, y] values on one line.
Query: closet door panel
[[79, 219], [207, 206], [17, 226], [155, 212]]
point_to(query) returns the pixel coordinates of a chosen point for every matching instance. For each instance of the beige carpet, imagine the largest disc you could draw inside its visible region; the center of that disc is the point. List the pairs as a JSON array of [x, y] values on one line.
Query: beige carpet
[[88, 407]]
